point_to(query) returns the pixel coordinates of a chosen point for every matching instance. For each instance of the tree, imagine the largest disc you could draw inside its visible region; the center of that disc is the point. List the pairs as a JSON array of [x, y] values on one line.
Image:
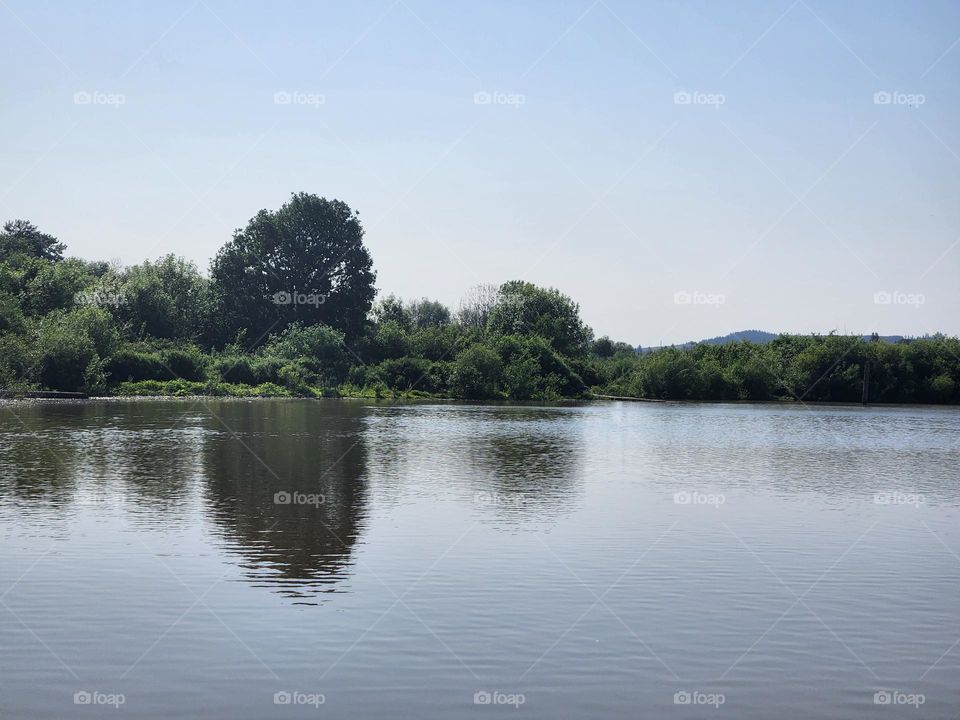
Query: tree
[[603, 347], [166, 299], [57, 285], [73, 346], [525, 309], [22, 237], [476, 305], [305, 263], [392, 309], [425, 313]]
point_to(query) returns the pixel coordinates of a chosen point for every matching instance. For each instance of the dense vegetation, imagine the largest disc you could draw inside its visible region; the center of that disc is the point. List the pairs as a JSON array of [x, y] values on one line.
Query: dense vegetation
[[288, 309]]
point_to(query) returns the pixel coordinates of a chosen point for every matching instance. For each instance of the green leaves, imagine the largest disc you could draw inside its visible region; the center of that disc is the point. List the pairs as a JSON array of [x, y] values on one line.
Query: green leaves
[[303, 263]]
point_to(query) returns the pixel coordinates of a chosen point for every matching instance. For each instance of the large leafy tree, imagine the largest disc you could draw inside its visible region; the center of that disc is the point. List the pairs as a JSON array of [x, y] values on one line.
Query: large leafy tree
[[304, 263], [21, 237], [525, 309]]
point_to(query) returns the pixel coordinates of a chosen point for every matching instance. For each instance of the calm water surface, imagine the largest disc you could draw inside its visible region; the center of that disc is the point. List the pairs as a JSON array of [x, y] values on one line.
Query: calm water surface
[[194, 559]]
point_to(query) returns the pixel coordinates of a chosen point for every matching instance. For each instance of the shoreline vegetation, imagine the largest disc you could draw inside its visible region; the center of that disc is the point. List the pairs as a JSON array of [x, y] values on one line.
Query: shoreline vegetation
[[288, 310]]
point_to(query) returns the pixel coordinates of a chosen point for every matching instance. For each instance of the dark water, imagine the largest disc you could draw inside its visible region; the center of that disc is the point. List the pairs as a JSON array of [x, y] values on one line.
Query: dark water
[[609, 560]]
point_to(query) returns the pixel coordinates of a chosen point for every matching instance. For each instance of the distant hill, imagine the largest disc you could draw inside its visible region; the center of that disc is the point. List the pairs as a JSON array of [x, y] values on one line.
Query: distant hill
[[755, 336], [760, 337]]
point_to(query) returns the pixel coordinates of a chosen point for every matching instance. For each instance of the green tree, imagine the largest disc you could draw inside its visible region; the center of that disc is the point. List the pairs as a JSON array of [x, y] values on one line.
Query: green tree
[[392, 309], [388, 341], [57, 285], [320, 350], [73, 347], [305, 263], [21, 237], [166, 299], [425, 313], [525, 309]]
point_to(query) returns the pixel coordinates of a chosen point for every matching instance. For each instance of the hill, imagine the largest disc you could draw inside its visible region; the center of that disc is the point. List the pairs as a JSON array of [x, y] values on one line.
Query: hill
[[761, 337]]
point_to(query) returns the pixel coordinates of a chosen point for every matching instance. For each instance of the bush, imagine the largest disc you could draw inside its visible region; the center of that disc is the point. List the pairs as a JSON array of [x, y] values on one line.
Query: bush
[[132, 365], [72, 347], [320, 350], [17, 361], [533, 369], [296, 378], [388, 341], [185, 363], [406, 373], [476, 373]]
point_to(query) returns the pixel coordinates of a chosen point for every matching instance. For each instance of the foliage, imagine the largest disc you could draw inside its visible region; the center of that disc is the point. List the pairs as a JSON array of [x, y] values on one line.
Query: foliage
[[477, 373], [20, 237], [163, 328], [524, 309], [304, 263], [163, 299], [476, 306], [426, 313], [72, 348]]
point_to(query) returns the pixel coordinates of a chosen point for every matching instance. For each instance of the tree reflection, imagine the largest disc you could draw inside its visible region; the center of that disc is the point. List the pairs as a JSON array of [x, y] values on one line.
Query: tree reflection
[[526, 463], [286, 487], [61, 453]]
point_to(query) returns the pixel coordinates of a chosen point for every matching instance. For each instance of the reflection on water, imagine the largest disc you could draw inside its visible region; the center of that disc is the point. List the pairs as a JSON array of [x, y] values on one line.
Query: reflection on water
[[200, 556], [288, 489], [835, 452], [514, 464]]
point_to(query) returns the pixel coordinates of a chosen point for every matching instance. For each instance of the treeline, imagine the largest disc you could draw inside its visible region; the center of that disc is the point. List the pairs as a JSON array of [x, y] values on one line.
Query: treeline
[[288, 309]]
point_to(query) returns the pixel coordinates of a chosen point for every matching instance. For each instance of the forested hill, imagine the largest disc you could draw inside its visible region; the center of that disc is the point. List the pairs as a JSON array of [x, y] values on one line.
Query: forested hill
[[760, 337]]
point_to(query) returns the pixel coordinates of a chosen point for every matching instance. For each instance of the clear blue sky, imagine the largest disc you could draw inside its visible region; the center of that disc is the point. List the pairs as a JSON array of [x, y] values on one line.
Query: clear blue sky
[[783, 196]]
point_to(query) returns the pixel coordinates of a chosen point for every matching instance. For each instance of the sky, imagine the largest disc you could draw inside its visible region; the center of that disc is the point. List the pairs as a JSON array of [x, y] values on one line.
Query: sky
[[680, 169]]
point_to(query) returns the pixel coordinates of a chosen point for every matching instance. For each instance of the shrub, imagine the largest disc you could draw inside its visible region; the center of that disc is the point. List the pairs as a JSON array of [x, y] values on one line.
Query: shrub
[[406, 373], [17, 360], [185, 363], [319, 349], [132, 365], [476, 373], [72, 346]]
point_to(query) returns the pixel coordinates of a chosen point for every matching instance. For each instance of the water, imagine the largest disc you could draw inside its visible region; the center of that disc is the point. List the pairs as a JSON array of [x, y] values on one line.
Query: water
[[603, 560]]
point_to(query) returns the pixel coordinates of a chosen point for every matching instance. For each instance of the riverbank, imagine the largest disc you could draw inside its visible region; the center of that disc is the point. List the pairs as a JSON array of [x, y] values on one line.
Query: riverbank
[[41, 395], [368, 394]]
